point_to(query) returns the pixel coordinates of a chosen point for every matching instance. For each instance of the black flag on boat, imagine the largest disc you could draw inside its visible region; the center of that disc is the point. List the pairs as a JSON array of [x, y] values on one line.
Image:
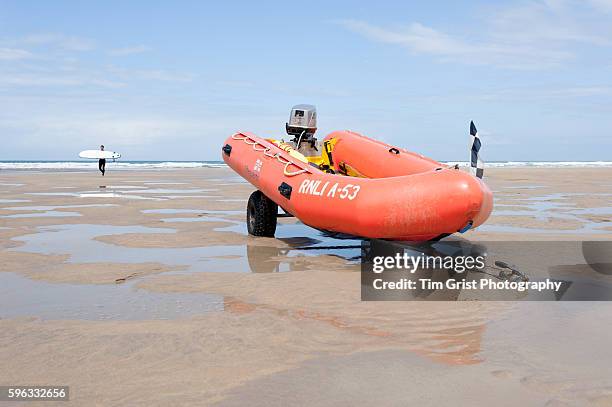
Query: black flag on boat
[[476, 164]]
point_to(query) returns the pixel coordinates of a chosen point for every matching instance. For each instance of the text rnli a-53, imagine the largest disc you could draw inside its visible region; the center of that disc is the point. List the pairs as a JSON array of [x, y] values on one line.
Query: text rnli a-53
[[329, 189]]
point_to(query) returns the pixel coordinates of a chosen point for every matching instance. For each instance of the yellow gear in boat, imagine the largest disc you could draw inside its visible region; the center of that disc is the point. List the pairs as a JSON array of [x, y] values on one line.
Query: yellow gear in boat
[[347, 169], [324, 161]]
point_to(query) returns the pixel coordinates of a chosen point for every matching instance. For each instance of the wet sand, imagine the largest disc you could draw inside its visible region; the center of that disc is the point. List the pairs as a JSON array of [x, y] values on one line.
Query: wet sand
[[147, 291]]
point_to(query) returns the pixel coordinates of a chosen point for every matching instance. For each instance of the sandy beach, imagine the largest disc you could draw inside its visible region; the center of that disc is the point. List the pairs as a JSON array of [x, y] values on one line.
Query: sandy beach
[[143, 288]]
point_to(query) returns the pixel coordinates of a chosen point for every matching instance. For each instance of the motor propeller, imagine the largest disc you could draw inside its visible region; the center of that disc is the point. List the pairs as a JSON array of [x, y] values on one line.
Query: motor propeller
[[476, 163]]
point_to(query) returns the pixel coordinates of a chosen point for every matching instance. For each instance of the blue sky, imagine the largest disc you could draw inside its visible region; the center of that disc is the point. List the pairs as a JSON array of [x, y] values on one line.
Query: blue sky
[[171, 80]]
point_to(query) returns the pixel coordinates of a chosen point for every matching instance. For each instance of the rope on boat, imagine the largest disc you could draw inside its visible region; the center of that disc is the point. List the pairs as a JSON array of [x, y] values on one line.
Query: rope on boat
[[266, 151]]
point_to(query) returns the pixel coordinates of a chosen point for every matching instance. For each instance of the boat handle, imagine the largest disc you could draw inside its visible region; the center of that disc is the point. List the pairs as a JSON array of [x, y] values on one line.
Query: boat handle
[[394, 150]]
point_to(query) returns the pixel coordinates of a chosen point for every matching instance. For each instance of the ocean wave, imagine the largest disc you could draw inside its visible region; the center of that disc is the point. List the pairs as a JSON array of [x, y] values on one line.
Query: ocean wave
[[543, 164], [84, 165]]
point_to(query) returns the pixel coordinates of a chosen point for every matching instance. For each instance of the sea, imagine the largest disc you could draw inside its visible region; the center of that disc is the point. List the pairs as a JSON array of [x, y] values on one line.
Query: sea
[[161, 165], [110, 164]]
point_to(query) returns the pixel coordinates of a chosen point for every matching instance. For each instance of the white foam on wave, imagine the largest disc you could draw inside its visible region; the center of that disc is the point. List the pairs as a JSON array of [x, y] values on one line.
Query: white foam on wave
[[542, 164], [81, 165]]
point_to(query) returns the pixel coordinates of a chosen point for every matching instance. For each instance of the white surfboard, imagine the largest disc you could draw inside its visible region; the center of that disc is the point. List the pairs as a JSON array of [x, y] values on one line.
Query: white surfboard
[[97, 154]]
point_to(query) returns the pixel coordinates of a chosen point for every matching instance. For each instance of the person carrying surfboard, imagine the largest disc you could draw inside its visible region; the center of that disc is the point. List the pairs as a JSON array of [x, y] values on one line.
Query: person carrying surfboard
[[101, 155], [102, 162]]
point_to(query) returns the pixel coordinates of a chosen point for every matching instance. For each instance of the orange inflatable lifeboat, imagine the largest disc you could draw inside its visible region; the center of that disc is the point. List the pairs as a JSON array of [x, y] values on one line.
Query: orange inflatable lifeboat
[[357, 186]]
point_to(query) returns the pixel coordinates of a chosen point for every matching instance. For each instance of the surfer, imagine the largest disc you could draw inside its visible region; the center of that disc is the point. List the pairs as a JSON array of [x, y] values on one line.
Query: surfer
[[102, 162]]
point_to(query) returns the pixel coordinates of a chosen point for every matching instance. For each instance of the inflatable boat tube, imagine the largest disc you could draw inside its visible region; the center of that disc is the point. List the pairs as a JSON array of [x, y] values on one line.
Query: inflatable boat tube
[[386, 192]]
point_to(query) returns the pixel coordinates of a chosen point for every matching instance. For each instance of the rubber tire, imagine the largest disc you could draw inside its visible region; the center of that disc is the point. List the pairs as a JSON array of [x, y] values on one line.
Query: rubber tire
[[261, 215]]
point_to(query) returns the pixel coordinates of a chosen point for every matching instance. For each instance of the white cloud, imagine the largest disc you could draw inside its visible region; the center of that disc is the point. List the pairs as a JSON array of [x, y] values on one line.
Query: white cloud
[[150, 75], [54, 79], [66, 72], [137, 49], [602, 5], [13, 54], [162, 75], [56, 63], [69, 43], [531, 35], [566, 95], [72, 131], [548, 23], [420, 39], [416, 37], [121, 131]]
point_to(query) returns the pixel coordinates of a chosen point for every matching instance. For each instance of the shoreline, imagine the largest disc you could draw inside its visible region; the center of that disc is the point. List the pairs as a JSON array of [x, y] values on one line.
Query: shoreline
[[122, 165]]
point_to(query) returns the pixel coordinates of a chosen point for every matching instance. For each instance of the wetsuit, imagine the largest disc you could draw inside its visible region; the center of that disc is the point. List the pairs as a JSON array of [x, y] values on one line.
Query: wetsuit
[[102, 165]]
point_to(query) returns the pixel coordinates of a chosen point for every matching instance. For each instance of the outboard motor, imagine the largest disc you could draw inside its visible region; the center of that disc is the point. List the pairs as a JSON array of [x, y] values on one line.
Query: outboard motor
[[302, 125]]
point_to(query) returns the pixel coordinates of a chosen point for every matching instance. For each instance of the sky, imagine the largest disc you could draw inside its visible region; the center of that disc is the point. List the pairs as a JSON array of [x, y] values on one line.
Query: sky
[[172, 80]]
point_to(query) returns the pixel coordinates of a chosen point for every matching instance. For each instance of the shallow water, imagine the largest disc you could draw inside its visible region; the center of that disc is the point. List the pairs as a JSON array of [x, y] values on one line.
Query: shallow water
[[20, 296], [54, 207], [524, 187], [133, 192], [189, 196], [102, 187], [166, 183], [78, 241], [14, 200], [234, 226], [587, 228], [94, 194], [171, 211], [538, 215], [232, 200], [592, 211], [155, 182], [204, 215], [170, 191], [289, 232], [181, 220], [547, 207], [46, 214], [53, 193]]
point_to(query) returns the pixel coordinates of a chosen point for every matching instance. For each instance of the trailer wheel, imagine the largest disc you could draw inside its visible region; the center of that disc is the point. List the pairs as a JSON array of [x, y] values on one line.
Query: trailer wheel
[[261, 215]]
